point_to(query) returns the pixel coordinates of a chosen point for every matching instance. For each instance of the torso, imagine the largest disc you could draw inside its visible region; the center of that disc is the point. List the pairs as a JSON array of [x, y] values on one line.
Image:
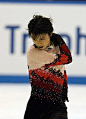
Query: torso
[[47, 82]]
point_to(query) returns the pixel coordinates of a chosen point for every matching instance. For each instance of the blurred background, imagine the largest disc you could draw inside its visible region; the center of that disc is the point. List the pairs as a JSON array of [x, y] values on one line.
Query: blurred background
[[69, 20]]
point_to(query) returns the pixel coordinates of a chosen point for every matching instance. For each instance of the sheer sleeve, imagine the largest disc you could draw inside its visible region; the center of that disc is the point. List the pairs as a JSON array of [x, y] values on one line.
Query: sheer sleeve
[[65, 55], [40, 58], [63, 58]]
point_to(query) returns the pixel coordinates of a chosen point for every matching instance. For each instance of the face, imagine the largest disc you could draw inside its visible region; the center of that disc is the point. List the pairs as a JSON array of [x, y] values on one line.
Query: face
[[41, 41]]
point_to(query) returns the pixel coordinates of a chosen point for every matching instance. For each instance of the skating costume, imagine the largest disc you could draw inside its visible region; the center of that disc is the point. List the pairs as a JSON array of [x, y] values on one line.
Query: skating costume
[[48, 80]]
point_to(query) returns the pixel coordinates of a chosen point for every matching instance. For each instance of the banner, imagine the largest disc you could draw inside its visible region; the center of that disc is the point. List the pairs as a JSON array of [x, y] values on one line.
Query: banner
[[69, 21]]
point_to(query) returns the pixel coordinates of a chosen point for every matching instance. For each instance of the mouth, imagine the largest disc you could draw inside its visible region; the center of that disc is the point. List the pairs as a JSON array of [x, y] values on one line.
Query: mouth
[[41, 47]]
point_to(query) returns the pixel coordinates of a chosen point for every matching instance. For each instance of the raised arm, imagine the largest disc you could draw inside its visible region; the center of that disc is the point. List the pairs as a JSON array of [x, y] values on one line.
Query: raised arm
[[65, 55], [40, 58]]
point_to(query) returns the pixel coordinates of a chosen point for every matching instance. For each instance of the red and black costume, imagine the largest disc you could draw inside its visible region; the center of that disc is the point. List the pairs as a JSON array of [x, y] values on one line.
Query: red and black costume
[[48, 82]]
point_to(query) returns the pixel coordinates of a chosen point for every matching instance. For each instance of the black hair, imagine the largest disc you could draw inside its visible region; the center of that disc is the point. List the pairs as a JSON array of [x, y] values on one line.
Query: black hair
[[40, 25]]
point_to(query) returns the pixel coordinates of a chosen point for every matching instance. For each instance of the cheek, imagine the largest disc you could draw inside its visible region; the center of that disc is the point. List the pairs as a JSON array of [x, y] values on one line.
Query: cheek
[[44, 42], [47, 41]]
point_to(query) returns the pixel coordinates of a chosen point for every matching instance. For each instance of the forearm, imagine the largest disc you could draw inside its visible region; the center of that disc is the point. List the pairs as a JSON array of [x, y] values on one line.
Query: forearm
[[65, 55]]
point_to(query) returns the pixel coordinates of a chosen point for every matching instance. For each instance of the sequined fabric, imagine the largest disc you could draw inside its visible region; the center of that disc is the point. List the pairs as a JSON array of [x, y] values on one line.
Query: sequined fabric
[[48, 75]]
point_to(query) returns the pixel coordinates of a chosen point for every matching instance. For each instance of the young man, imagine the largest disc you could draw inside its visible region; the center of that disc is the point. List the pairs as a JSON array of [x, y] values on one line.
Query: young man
[[47, 74]]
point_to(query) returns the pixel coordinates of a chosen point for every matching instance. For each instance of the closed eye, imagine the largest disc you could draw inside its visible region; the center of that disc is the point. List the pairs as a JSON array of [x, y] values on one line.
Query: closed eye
[[42, 39]]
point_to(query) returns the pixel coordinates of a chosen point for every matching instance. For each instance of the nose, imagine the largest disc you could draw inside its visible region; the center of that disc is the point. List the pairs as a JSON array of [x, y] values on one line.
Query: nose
[[38, 40], [39, 43]]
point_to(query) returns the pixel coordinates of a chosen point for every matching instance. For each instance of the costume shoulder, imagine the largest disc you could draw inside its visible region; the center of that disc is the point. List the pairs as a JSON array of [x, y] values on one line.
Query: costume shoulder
[[30, 49], [32, 52], [37, 56]]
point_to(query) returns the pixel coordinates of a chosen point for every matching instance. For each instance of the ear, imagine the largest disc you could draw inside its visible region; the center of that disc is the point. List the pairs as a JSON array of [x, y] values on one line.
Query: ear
[[51, 33]]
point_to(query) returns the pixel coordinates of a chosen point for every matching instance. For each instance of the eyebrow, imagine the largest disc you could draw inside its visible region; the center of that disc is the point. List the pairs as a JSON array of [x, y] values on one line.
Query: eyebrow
[[34, 37], [42, 37]]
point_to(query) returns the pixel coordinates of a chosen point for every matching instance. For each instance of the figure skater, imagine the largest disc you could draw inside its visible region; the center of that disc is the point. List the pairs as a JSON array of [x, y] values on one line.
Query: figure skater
[[46, 60]]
